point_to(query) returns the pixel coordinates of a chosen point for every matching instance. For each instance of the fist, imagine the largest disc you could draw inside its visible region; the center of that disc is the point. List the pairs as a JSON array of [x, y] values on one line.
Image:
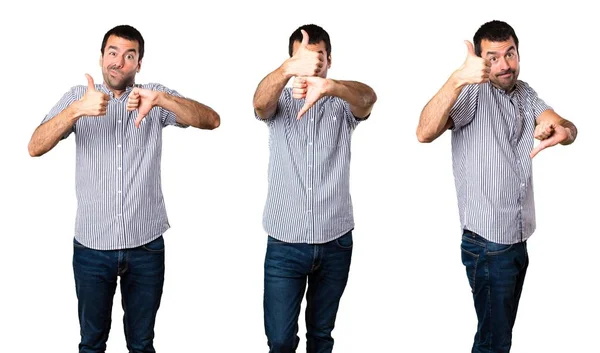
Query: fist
[[93, 102], [543, 130], [143, 100], [305, 62], [474, 69]]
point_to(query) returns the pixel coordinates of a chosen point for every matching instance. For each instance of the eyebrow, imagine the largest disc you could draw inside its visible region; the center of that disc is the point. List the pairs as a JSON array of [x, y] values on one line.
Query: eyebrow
[[127, 51], [512, 47]]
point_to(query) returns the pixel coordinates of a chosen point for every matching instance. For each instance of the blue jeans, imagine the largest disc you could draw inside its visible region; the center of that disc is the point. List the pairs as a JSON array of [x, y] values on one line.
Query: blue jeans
[[496, 273], [288, 267], [142, 272]]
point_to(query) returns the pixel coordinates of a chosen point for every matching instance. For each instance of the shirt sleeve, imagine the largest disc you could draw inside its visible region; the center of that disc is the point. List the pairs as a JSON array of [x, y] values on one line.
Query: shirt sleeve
[[67, 99], [350, 117], [537, 104], [167, 117], [463, 111], [283, 106]]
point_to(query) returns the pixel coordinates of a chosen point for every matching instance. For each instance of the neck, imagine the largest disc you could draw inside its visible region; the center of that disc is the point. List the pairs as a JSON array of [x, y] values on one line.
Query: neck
[[117, 92]]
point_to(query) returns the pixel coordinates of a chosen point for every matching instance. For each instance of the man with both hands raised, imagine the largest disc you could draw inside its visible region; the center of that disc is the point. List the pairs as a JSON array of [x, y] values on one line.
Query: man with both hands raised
[[308, 212], [121, 214]]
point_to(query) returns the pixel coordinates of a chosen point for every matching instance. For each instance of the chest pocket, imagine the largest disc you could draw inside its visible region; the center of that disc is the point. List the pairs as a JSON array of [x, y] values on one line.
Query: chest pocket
[[147, 134], [332, 129]]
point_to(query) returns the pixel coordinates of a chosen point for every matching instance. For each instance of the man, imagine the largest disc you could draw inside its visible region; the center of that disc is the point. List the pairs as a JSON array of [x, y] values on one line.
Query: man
[[494, 118], [120, 209], [308, 213]]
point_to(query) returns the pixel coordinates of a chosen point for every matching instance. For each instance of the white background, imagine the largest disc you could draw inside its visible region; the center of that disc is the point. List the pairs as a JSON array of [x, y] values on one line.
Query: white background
[[407, 291]]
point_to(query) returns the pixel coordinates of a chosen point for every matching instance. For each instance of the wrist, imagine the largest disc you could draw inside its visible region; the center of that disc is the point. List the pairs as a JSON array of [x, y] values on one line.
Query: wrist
[[330, 87], [570, 137], [285, 70], [75, 112], [456, 81], [159, 99]]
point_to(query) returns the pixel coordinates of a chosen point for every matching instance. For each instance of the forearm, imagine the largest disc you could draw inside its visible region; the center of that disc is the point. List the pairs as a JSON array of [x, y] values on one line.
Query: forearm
[[268, 92], [47, 135], [360, 96], [434, 118], [189, 112]]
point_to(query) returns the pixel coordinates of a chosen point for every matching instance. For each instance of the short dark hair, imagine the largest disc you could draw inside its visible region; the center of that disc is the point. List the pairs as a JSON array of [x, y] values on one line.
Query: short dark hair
[[315, 33], [494, 31], [125, 32]]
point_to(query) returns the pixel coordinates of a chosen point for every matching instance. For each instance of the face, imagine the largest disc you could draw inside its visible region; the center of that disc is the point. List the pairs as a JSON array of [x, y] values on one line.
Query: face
[[120, 62], [504, 59], [319, 47]]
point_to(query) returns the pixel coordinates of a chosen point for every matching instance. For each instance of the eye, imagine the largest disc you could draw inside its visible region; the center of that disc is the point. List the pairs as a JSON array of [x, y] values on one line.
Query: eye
[[129, 56], [112, 53], [510, 55], [493, 59]]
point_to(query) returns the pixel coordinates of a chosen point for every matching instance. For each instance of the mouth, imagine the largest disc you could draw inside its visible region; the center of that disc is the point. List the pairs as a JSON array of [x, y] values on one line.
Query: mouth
[[505, 75]]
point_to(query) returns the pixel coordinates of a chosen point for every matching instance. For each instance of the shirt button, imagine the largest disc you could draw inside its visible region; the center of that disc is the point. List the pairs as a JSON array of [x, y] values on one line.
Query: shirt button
[[309, 189], [312, 119], [310, 143], [119, 146], [118, 121], [119, 191], [118, 168]]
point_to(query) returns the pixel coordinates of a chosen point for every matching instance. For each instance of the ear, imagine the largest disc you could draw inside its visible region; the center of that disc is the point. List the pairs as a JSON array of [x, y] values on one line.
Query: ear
[[100, 61], [139, 66], [329, 62]]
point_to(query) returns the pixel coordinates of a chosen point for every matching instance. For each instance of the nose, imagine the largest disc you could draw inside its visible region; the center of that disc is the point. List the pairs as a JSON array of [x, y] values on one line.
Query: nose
[[503, 63], [119, 62]]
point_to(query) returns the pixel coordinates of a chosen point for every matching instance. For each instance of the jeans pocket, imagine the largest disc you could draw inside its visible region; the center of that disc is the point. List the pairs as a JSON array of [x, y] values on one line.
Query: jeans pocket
[[156, 245], [345, 241], [497, 249], [470, 259]]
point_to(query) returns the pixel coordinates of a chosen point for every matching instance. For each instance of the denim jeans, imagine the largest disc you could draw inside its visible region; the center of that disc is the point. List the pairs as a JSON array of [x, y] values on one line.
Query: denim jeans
[[288, 268], [142, 275], [496, 273]]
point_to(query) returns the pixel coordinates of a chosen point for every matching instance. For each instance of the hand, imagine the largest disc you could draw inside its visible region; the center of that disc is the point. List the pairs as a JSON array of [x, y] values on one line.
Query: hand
[[143, 100], [93, 102], [474, 69], [549, 134], [305, 62], [311, 89]]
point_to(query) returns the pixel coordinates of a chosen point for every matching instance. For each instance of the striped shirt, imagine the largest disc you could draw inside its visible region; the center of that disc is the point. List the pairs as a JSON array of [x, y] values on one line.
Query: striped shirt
[[119, 198], [491, 141], [308, 199]]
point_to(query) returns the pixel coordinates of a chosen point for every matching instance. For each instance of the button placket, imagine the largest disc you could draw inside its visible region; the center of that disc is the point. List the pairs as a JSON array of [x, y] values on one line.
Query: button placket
[[119, 140], [310, 170]]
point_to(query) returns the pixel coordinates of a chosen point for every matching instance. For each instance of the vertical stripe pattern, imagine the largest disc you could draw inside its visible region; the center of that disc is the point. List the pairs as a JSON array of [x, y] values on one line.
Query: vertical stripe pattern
[[119, 197], [492, 138], [308, 199]]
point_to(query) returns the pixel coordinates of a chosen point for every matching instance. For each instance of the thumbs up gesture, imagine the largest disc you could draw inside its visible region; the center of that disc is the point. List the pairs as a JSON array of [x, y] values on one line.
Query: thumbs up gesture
[[474, 69], [305, 62], [93, 102]]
